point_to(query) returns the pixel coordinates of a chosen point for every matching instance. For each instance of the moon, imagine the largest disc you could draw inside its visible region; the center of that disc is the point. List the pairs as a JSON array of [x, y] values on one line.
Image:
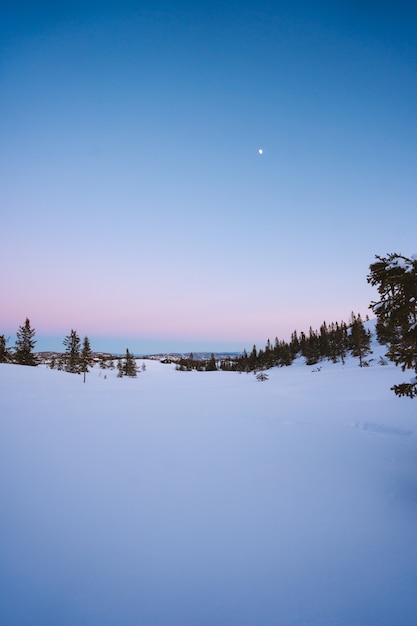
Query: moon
[[260, 151]]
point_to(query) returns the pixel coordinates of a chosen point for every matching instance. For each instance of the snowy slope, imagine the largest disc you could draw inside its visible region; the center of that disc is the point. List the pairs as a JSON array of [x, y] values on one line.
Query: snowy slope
[[186, 498]]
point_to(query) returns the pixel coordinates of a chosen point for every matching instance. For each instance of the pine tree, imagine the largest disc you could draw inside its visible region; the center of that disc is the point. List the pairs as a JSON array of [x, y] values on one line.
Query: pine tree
[[359, 338], [86, 357], [324, 347], [287, 354], [4, 352], [72, 353], [294, 344], [253, 359], [311, 349], [211, 364], [395, 277], [25, 344], [268, 356], [129, 365], [244, 362]]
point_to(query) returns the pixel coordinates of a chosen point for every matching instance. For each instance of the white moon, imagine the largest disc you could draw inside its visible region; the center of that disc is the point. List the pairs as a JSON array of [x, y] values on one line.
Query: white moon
[[260, 151]]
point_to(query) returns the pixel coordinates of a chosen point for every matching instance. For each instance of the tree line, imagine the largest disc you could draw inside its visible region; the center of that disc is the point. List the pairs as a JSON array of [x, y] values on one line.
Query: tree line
[[332, 342], [76, 359]]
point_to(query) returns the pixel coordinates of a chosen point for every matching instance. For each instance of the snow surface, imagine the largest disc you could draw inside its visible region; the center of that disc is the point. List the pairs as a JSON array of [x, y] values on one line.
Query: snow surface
[[191, 499]]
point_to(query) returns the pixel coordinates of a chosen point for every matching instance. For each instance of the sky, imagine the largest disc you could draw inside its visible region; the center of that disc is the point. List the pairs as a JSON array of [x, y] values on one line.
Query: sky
[[135, 205]]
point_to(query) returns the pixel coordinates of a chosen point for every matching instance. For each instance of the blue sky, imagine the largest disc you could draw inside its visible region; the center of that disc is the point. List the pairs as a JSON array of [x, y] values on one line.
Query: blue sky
[[135, 205]]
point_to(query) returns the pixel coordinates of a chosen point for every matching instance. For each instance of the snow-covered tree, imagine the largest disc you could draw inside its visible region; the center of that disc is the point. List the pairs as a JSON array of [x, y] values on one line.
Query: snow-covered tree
[[395, 277]]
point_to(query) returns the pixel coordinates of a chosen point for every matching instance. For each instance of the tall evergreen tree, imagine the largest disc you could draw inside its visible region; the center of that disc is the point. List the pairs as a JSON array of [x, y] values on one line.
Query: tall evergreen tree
[[4, 352], [311, 348], [129, 365], [324, 347], [395, 277], [359, 338], [294, 344], [72, 355], [337, 342], [86, 356], [25, 344], [253, 359]]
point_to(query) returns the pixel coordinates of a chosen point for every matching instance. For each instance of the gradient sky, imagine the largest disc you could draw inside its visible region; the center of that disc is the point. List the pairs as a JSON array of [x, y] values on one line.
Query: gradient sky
[[135, 207]]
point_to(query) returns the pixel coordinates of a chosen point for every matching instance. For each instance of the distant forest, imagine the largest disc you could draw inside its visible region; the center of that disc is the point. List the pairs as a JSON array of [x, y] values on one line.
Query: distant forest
[[332, 341]]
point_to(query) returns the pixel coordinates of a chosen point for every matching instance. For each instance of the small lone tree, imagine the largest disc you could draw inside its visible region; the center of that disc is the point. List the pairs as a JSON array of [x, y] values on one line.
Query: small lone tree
[[25, 344], [395, 277], [127, 366]]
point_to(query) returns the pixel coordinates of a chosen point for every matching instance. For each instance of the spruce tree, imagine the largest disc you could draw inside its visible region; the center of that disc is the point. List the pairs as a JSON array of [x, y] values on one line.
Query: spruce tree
[[129, 365], [25, 344], [294, 344], [395, 277], [359, 338], [4, 352], [253, 359], [324, 347], [72, 353], [86, 357], [311, 348]]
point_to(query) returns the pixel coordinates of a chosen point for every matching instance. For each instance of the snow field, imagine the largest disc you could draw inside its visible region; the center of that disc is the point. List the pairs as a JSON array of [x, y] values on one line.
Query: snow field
[[188, 498]]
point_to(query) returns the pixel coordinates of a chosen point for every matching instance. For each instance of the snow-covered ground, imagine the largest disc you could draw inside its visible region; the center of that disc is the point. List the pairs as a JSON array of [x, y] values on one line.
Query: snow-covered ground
[[191, 499]]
